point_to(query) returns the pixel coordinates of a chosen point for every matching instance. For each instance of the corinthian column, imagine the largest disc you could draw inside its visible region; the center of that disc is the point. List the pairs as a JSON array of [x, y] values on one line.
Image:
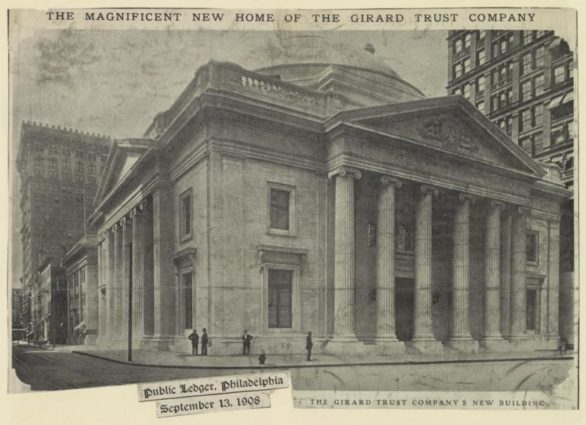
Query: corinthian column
[[492, 273], [344, 252], [423, 266], [137, 278], [519, 284], [385, 288], [460, 333]]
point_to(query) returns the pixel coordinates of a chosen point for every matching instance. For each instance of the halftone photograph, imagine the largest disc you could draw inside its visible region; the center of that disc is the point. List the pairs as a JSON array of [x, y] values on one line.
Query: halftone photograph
[[375, 211]]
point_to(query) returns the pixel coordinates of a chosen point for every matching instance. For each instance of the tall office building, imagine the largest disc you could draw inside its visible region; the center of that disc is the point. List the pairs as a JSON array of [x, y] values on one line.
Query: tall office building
[[523, 82], [59, 170]]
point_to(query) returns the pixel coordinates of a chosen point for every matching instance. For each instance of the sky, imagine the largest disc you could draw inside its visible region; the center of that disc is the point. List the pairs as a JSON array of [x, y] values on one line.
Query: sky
[[115, 82]]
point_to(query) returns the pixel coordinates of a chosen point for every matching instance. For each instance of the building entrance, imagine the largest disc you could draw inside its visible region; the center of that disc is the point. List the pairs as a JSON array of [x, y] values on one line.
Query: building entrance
[[404, 308]]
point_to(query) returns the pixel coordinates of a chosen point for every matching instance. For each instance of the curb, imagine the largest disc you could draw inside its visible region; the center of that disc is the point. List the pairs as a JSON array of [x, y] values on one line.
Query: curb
[[304, 366]]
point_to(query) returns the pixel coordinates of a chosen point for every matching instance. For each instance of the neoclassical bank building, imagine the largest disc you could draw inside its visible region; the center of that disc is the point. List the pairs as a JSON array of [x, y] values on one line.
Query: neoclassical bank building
[[326, 194]]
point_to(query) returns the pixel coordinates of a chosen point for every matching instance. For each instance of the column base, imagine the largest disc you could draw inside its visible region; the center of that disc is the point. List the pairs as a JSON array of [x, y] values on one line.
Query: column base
[[344, 346], [464, 344], [425, 345], [390, 345], [157, 342], [494, 343]]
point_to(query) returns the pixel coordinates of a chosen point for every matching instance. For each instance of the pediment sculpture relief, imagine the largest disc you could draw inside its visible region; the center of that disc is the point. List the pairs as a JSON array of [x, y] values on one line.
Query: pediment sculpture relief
[[448, 134]]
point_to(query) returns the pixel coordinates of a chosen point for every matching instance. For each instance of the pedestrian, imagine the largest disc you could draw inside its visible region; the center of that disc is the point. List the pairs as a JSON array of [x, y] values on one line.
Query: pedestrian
[[246, 339], [204, 342], [194, 338], [309, 345], [262, 358]]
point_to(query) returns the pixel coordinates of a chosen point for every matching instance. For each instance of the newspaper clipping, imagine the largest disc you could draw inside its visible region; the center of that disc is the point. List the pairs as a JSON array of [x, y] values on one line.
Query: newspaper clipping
[[374, 207]]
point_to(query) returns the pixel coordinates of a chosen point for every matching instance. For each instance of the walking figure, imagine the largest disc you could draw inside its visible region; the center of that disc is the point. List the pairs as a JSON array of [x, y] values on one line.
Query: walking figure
[[246, 340], [194, 338], [308, 345], [204, 343]]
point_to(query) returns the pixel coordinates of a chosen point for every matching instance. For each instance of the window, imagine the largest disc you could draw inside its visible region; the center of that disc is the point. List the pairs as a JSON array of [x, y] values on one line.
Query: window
[[457, 70], [526, 90], [537, 115], [481, 36], [480, 106], [559, 74], [185, 218], [281, 219], [480, 85], [280, 297], [405, 241], [187, 300], [52, 168], [458, 45], [526, 63], [538, 83], [91, 169], [467, 41], [526, 120], [466, 64], [539, 57], [528, 36], [560, 134], [53, 150], [467, 91], [458, 91], [532, 247], [91, 156], [481, 57], [532, 308], [79, 154], [526, 143]]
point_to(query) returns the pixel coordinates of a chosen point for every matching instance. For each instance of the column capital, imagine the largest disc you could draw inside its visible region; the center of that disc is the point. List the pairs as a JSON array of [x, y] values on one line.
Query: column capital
[[425, 188], [496, 204], [346, 171], [463, 197], [137, 210], [521, 210], [391, 180], [115, 227]]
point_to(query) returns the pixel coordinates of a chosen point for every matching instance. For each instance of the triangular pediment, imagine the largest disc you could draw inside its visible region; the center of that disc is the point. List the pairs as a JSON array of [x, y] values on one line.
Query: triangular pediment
[[123, 155], [451, 125]]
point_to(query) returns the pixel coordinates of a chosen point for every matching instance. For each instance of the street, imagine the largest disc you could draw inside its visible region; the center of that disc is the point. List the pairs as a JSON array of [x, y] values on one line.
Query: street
[[55, 370]]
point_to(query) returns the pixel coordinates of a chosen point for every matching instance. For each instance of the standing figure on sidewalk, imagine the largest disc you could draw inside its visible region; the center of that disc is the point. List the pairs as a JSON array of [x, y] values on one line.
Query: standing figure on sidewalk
[[194, 338], [246, 340], [262, 358], [308, 345], [204, 343]]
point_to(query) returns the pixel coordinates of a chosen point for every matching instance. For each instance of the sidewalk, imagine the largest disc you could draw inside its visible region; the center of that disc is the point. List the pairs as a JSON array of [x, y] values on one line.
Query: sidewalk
[[288, 361]]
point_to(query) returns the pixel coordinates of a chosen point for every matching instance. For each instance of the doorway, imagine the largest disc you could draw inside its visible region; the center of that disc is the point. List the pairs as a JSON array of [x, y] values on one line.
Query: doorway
[[404, 308]]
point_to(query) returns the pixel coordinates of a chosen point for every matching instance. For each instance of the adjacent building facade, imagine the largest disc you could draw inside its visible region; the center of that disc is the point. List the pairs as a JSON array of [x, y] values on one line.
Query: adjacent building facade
[[326, 195], [59, 170]]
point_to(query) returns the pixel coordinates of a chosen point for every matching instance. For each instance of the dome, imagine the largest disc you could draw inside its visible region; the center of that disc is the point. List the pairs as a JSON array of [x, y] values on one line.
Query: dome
[[360, 76], [317, 50]]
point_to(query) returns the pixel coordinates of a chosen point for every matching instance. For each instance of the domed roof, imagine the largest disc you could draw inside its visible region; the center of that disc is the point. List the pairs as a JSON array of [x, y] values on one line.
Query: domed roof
[[317, 50]]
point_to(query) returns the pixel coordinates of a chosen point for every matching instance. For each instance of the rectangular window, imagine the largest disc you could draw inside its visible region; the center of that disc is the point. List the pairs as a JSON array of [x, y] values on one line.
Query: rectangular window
[[467, 91], [527, 37], [481, 35], [526, 120], [480, 85], [539, 57], [532, 309], [559, 134], [480, 106], [458, 45], [279, 205], [533, 247], [481, 57], [188, 300], [526, 90], [559, 74], [467, 41], [526, 63], [52, 168], [280, 298], [526, 144], [457, 70], [185, 208], [466, 65], [537, 115], [538, 83]]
